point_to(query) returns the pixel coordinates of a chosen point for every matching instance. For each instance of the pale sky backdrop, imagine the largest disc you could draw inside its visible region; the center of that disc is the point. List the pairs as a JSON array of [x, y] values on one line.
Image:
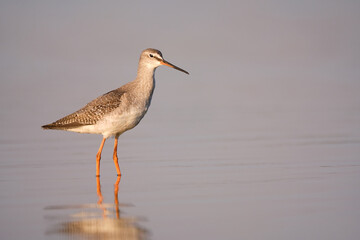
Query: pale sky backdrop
[[58, 55]]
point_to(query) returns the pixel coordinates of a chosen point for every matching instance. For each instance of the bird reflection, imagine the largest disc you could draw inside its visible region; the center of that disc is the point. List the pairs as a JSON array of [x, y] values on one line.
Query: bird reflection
[[108, 224]]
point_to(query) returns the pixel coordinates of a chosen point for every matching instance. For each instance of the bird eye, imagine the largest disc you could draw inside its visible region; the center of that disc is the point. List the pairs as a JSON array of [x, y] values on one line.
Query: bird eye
[[151, 55]]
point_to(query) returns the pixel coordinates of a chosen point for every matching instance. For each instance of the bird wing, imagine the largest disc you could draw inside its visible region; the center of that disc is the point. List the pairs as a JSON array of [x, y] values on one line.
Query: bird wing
[[91, 113]]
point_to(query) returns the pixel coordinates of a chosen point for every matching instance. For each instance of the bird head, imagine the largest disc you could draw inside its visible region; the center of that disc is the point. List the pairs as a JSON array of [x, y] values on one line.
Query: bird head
[[153, 58]]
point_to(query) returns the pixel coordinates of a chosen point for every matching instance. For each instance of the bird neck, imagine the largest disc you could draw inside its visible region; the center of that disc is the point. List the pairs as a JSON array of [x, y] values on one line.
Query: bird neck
[[146, 76], [145, 80]]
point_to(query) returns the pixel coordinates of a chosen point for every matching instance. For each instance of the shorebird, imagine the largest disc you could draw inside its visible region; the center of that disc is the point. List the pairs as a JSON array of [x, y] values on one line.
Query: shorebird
[[118, 110]]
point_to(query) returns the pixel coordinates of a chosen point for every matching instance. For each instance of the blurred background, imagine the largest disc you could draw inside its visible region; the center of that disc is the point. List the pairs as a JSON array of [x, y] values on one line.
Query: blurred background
[[241, 54], [272, 95]]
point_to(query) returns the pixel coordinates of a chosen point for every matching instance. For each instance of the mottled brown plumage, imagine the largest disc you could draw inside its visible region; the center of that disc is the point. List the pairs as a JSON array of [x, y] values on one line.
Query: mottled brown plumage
[[91, 113], [119, 110]]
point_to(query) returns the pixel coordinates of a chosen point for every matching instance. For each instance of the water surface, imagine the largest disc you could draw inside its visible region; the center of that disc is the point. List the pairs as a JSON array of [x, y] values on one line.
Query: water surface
[[260, 141]]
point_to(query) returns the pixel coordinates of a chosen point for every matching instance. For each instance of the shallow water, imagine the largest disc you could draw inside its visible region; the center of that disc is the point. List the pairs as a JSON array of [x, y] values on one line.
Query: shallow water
[[264, 144], [251, 175]]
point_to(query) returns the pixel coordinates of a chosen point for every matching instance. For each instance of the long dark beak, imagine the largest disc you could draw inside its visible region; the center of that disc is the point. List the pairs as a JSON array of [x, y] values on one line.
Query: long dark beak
[[166, 63]]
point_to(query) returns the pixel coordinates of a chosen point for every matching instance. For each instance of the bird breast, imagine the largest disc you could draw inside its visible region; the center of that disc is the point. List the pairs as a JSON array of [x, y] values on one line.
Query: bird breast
[[130, 112], [120, 121]]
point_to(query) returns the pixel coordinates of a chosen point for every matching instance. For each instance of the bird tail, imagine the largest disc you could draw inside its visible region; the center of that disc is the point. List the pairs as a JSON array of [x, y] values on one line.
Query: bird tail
[[60, 126], [51, 126]]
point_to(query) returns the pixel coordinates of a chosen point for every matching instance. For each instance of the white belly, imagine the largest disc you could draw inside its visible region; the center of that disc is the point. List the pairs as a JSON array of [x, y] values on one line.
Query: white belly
[[132, 109], [114, 123]]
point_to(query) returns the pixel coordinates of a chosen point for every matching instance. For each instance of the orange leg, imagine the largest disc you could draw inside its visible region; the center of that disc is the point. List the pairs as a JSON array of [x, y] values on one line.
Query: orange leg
[[98, 190], [98, 157], [115, 157], [116, 197], [100, 201]]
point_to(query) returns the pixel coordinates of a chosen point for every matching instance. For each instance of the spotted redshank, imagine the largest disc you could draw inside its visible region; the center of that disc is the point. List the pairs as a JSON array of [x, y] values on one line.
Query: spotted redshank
[[118, 110]]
